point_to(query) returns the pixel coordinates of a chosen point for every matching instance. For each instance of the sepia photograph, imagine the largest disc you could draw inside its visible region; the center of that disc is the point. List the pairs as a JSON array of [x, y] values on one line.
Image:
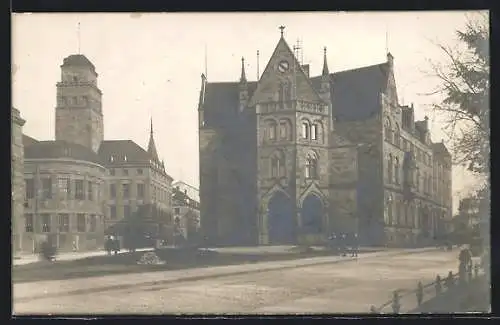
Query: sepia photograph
[[264, 163]]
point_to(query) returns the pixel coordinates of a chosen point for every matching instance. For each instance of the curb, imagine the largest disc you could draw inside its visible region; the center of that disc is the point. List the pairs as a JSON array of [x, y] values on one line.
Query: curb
[[202, 277]]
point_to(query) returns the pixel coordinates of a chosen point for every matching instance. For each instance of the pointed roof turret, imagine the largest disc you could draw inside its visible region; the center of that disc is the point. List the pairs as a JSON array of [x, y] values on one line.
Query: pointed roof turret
[[326, 72], [151, 145], [243, 77]]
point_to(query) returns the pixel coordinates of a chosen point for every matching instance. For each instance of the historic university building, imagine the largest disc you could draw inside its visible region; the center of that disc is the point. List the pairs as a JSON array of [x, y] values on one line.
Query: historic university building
[[291, 158], [74, 187]]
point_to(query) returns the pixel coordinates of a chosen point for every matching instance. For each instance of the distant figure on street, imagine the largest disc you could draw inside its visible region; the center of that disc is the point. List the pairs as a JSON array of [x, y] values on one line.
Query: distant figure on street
[[116, 245], [108, 245], [355, 245], [332, 242], [74, 246], [343, 244]]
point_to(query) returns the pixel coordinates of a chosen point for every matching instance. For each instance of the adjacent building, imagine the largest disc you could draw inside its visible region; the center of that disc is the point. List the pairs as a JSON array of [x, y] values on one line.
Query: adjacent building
[[79, 184], [186, 208], [17, 179], [292, 157]]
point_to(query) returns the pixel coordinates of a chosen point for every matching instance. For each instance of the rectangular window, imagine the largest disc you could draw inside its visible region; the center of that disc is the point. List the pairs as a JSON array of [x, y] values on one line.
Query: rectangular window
[[126, 211], [64, 223], [28, 225], [65, 186], [46, 224], [140, 190], [112, 211], [139, 171], [125, 172], [90, 192], [80, 222], [112, 191], [46, 188], [126, 191], [30, 188], [177, 210], [112, 172], [93, 223], [305, 130], [314, 132], [79, 193]]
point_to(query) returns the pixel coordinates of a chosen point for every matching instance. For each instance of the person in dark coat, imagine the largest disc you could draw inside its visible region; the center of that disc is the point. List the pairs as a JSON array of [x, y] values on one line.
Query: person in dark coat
[[355, 245], [108, 245], [332, 241], [116, 245], [343, 244]]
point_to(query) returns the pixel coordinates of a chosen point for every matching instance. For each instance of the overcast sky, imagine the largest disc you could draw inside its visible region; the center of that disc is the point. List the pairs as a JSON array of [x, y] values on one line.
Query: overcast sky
[[150, 65]]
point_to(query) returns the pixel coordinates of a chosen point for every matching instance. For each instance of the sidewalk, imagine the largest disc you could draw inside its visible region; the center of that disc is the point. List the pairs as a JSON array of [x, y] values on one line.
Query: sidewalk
[[124, 281], [66, 256]]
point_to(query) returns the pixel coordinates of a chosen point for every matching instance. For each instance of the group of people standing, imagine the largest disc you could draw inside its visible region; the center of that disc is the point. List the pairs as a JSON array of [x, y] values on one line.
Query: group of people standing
[[343, 242], [112, 244]]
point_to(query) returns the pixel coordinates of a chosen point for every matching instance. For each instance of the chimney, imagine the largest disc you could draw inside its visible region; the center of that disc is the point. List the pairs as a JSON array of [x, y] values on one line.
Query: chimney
[[305, 68]]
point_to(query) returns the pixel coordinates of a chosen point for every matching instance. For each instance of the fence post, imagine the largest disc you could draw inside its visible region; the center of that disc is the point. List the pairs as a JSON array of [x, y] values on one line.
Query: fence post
[[439, 288], [420, 293], [396, 304]]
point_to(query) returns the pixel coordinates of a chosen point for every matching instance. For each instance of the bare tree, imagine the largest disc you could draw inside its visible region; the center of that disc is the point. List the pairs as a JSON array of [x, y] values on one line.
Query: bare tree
[[464, 86]]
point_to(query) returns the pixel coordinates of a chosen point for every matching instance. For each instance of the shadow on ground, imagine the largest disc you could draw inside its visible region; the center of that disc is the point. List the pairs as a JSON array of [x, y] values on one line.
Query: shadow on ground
[[176, 259]]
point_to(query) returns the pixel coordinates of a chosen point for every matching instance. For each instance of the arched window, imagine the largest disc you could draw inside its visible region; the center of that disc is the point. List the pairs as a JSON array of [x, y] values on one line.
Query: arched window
[[389, 210], [305, 130], [285, 130], [272, 131], [389, 168], [287, 91], [417, 180], [396, 169], [388, 130], [425, 182], [311, 166], [429, 184], [397, 136], [278, 164], [314, 132]]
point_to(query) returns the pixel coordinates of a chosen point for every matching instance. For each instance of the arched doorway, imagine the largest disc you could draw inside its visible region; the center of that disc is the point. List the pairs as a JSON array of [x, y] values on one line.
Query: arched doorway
[[312, 215], [280, 221]]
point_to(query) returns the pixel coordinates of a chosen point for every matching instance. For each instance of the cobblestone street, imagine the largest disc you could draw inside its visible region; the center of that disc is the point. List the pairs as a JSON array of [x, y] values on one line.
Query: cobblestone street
[[348, 286]]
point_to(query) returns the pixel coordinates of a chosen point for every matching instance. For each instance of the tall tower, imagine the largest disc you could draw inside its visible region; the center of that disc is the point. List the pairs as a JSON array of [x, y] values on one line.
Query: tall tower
[[292, 150], [79, 117]]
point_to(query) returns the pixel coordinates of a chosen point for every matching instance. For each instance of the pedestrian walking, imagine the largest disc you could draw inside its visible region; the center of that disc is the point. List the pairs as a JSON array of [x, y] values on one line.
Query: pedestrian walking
[[332, 242], [343, 244], [74, 246], [355, 245]]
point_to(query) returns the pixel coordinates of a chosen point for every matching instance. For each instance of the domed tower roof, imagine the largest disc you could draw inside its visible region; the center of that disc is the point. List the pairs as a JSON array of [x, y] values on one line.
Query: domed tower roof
[[78, 60]]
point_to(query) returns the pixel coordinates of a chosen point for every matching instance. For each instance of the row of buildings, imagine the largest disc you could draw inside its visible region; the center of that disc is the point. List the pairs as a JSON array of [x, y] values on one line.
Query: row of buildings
[[72, 189], [292, 157]]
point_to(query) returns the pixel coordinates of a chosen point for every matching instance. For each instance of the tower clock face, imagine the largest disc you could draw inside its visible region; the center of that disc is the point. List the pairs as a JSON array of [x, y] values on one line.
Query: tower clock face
[[283, 66]]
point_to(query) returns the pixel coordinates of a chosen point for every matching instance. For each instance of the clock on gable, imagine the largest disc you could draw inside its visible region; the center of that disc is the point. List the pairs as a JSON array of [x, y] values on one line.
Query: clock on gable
[[283, 66]]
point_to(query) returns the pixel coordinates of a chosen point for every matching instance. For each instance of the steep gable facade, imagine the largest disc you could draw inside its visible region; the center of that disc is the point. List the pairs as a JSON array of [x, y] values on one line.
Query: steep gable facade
[[291, 158]]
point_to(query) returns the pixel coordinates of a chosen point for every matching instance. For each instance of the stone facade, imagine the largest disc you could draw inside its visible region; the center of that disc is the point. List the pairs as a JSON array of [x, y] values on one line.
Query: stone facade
[[65, 202], [17, 180], [78, 186], [310, 155]]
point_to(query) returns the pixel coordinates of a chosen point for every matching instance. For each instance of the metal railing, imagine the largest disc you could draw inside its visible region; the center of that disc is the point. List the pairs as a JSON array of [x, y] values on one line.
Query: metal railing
[[426, 292]]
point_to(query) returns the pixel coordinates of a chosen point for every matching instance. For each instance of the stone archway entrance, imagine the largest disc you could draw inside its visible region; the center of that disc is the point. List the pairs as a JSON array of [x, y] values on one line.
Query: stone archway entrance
[[312, 214], [281, 220]]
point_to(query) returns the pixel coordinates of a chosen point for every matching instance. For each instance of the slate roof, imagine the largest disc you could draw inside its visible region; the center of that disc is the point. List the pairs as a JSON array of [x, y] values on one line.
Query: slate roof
[[28, 141], [440, 148], [123, 152], [219, 98], [60, 149], [355, 93], [78, 60]]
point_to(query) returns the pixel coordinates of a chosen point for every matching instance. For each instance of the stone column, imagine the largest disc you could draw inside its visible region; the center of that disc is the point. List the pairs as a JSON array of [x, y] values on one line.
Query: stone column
[[17, 180]]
